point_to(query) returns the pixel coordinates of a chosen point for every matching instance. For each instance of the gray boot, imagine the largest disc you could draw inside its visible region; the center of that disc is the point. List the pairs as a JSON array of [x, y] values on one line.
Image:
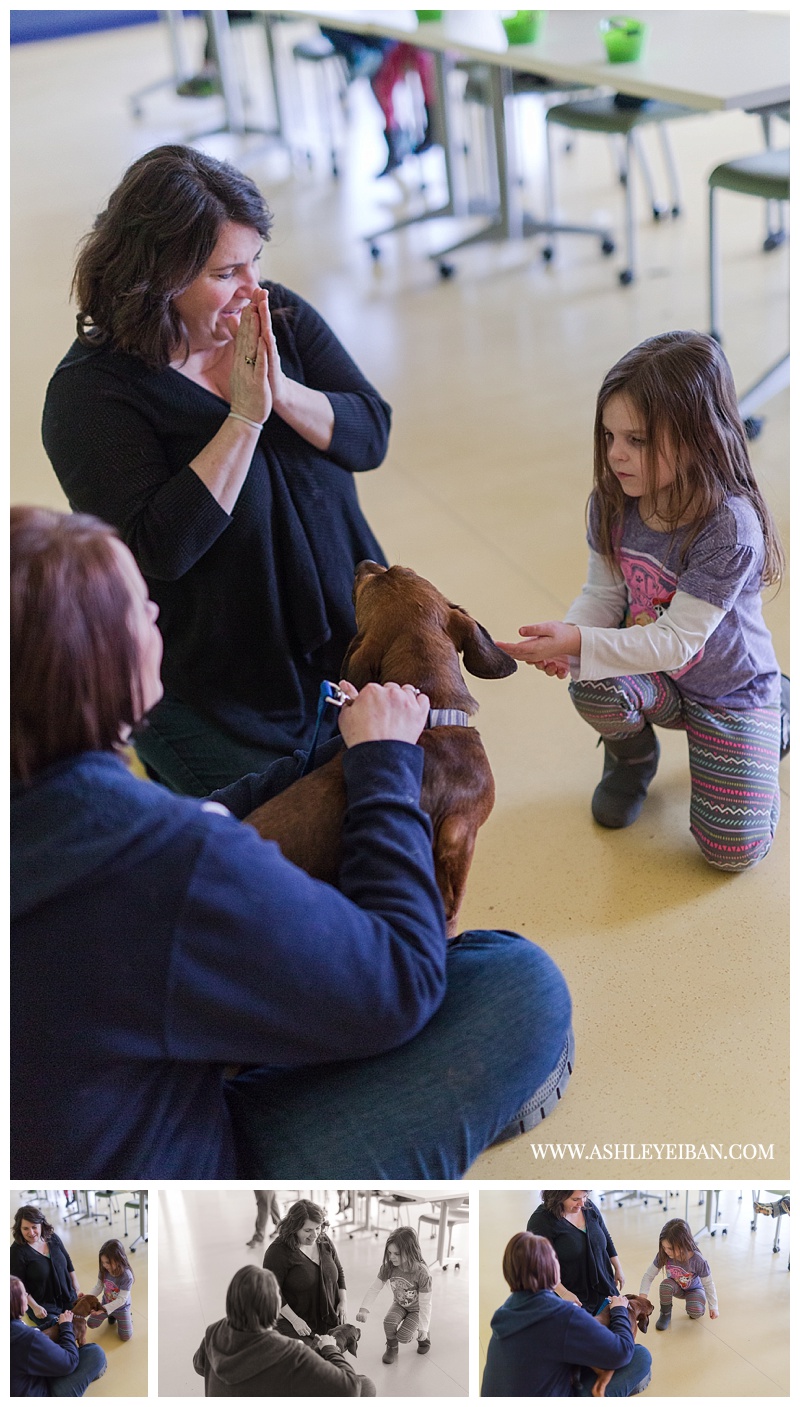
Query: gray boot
[[629, 768], [665, 1317]]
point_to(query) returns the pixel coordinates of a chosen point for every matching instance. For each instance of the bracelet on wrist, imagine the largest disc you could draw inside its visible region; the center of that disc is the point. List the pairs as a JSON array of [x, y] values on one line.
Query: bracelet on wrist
[[256, 424]]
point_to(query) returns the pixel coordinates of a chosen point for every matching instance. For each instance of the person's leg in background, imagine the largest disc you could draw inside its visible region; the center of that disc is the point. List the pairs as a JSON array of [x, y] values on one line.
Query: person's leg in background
[[501, 1040], [91, 1366], [262, 1213]]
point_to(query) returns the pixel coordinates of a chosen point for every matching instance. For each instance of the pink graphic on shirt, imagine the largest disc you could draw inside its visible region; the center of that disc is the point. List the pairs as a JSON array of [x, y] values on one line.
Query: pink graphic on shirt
[[404, 1291], [679, 1273], [650, 591]]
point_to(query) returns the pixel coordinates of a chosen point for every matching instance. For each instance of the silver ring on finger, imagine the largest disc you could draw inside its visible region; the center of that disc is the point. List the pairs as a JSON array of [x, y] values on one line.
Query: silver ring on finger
[[251, 361]]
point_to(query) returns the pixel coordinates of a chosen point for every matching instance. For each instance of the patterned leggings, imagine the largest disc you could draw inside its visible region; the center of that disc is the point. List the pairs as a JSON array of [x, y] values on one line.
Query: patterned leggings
[[733, 759], [123, 1318], [695, 1299], [401, 1324]]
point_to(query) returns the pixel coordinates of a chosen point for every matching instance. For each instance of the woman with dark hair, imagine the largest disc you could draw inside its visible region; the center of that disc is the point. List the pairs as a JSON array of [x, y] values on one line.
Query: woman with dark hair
[[41, 1367], [544, 1347], [225, 954], [243, 1355], [41, 1261], [308, 1271], [217, 423], [590, 1266]]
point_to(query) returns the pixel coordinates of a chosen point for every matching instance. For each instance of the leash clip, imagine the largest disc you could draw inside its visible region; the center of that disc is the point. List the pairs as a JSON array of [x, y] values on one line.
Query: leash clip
[[332, 694]]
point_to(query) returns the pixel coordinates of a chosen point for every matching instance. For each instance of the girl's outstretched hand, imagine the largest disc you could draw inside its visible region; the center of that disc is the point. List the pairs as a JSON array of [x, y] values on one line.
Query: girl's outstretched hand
[[361, 1317], [548, 646]]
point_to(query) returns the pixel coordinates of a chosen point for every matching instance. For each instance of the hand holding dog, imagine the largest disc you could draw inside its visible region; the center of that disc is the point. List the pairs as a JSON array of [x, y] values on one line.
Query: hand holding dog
[[65, 1318], [326, 1341], [548, 646], [617, 1302], [382, 712]]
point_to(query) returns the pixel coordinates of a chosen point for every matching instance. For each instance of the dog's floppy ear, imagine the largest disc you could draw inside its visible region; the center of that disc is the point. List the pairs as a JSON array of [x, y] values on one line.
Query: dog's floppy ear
[[362, 663], [481, 656]]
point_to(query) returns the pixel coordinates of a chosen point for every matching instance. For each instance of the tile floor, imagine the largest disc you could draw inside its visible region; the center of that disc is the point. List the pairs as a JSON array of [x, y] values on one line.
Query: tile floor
[[126, 1374], [202, 1236], [492, 376], [743, 1353]]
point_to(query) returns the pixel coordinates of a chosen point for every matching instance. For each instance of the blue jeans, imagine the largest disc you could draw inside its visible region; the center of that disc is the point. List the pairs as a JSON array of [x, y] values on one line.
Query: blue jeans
[[627, 1381], [91, 1365], [192, 756], [427, 1109]]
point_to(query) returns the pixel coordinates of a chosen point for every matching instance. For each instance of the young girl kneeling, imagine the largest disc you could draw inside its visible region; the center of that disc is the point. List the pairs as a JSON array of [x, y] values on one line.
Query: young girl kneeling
[[114, 1281], [686, 1274], [410, 1315], [681, 544]]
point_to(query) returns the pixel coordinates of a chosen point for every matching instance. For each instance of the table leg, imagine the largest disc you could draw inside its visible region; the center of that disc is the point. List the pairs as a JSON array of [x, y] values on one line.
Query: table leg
[[511, 221]]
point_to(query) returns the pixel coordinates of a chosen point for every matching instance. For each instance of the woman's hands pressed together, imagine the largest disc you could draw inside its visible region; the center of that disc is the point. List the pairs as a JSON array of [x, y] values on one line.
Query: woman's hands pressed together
[[251, 390], [382, 712], [548, 646]]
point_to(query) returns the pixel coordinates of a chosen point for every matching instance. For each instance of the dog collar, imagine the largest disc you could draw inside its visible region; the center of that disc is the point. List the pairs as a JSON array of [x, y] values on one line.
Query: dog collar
[[447, 718]]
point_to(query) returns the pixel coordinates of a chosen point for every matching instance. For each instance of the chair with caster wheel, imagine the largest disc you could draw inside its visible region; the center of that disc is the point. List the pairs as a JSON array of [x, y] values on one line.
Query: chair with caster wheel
[[766, 176], [618, 117]]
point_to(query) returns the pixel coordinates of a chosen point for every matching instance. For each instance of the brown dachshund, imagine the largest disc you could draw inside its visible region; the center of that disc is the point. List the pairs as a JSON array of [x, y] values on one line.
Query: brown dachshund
[[408, 633], [639, 1309], [346, 1336], [82, 1308]]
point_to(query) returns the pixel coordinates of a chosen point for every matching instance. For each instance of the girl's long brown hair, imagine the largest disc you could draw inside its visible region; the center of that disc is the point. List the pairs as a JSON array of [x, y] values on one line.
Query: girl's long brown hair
[[680, 1237], [114, 1252], [680, 387]]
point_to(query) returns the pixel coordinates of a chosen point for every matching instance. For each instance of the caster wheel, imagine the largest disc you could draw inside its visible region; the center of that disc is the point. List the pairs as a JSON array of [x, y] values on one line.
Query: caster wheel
[[446, 270], [623, 178], [753, 426], [375, 251], [335, 172], [774, 241], [457, 1265], [626, 277], [724, 1231], [676, 210], [547, 253], [608, 246], [136, 111], [659, 212]]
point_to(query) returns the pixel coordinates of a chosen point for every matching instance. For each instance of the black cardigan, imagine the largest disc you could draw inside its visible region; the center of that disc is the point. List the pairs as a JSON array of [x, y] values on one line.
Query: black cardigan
[[584, 1257], [311, 1291], [47, 1279], [256, 605]]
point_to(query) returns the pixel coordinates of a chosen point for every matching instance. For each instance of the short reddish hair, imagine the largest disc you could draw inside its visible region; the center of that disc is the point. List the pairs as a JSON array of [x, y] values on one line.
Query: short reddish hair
[[18, 1300], [530, 1263], [74, 662]]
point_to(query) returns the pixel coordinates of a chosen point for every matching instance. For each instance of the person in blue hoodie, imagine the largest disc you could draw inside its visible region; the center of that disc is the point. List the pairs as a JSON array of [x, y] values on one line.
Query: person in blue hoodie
[[176, 944], [40, 1367], [544, 1346]]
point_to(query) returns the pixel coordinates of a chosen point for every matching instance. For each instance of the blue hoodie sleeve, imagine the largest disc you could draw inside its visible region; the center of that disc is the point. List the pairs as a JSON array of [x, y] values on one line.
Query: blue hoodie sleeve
[[47, 1359], [271, 966], [592, 1345], [251, 791]]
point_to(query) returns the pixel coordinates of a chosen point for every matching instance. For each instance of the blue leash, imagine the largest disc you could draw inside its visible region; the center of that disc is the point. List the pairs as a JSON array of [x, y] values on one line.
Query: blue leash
[[328, 694]]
